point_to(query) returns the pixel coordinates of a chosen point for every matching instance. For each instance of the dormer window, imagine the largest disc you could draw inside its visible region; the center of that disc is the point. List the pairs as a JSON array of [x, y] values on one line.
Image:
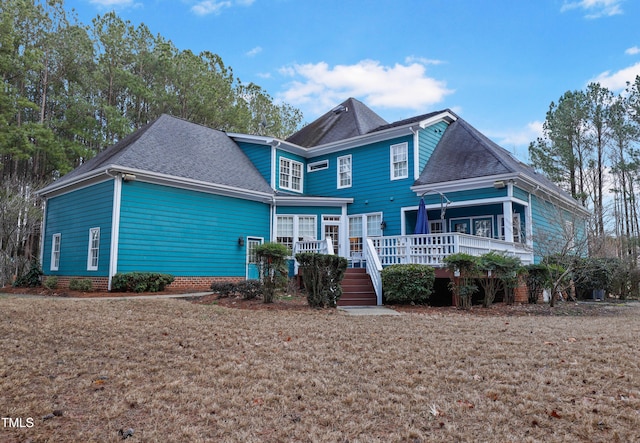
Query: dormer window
[[290, 175]]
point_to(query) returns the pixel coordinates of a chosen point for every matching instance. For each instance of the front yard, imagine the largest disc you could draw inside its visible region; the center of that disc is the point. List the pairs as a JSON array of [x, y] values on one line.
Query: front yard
[[171, 370]]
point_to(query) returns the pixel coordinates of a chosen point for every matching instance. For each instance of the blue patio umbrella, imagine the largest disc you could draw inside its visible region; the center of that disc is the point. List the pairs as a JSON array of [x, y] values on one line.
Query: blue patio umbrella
[[422, 221]]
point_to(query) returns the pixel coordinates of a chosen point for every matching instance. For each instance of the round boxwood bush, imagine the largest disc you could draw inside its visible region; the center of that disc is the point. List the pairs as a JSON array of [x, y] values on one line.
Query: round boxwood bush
[[410, 283]]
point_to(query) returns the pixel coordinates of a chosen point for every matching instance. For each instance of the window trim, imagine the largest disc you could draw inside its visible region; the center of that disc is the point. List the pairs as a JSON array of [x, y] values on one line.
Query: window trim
[[339, 172], [92, 250], [318, 166], [392, 162], [288, 186], [55, 253]]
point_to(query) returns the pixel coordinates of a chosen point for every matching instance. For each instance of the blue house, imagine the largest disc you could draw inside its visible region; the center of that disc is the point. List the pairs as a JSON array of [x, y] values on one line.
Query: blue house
[[191, 201]]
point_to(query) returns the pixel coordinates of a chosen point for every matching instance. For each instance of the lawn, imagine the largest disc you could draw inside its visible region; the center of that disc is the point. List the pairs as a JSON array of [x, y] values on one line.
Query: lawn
[[175, 371]]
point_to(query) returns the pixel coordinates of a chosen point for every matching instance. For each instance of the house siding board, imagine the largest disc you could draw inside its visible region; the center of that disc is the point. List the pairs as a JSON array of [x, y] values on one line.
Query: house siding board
[[520, 194], [72, 215], [372, 189], [428, 139], [260, 156], [186, 233]]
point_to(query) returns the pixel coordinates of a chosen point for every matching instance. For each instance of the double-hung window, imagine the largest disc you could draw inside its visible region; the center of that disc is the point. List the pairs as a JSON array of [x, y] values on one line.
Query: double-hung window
[[293, 228], [55, 251], [344, 172], [399, 161], [290, 175], [94, 249]]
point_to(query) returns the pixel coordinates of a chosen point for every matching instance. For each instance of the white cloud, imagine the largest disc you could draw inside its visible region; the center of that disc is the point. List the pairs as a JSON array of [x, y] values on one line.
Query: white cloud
[[253, 52], [595, 8], [422, 60], [632, 51], [320, 86], [617, 81], [517, 140], [206, 7]]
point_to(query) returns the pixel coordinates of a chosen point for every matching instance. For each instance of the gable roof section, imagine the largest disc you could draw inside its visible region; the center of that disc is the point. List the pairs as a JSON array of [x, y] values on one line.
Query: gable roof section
[[349, 119], [173, 147], [463, 153]]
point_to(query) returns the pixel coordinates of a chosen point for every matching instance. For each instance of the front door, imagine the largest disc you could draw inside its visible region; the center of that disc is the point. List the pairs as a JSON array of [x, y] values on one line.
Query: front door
[[253, 271]]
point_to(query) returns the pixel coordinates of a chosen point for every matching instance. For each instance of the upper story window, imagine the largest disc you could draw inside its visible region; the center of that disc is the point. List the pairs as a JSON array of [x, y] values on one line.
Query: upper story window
[[94, 249], [290, 174], [55, 252], [399, 161], [318, 166], [344, 172]]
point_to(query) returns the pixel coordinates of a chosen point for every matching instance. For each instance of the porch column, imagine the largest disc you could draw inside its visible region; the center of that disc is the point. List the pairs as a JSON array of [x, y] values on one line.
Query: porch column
[[507, 209]]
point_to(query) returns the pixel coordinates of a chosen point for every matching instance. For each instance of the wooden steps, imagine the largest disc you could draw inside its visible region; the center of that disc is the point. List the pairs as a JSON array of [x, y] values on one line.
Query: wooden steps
[[357, 289]]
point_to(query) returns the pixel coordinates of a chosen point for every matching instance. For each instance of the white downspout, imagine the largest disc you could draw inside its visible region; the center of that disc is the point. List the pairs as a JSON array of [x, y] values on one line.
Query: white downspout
[[115, 226]]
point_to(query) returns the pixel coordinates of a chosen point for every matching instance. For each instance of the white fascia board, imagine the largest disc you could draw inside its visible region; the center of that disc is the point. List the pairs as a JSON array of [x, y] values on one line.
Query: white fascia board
[[532, 187], [444, 116], [109, 172], [464, 185], [270, 141], [285, 200]]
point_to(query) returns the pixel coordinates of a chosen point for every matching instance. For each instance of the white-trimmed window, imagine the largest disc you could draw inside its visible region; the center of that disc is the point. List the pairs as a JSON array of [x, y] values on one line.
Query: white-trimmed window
[[55, 251], [344, 172], [94, 249], [399, 161], [318, 166], [292, 228], [290, 175]]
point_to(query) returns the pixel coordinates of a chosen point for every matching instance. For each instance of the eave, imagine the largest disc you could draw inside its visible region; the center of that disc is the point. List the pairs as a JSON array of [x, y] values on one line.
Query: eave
[[112, 171]]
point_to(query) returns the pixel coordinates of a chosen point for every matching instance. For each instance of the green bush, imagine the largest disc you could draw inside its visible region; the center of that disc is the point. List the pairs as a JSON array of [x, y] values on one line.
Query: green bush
[[31, 278], [223, 289], [51, 282], [140, 282], [463, 284], [81, 284], [537, 278], [248, 289], [272, 259], [410, 283], [322, 274]]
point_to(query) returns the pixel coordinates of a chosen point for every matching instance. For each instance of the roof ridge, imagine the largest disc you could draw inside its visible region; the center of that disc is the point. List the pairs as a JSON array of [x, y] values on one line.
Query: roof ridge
[[485, 141]]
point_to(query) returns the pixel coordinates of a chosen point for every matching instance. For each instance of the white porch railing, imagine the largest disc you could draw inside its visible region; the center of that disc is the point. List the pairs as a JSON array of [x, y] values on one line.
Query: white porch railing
[[320, 246], [431, 249], [374, 268]]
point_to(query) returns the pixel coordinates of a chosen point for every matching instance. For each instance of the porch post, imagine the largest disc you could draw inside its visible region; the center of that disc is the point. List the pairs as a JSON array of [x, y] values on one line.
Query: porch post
[[507, 209]]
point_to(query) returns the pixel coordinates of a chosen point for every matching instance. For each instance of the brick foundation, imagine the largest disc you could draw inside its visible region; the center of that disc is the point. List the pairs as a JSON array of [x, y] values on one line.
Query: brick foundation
[[521, 292], [196, 284], [199, 283]]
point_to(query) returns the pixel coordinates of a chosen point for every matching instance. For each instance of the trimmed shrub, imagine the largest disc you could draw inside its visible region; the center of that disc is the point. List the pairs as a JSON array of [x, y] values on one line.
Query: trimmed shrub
[[537, 277], [249, 289], [81, 284], [32, 277], [223, 289], [272, 259], [51, 282], [140, 282], [322, 274], [411, 283], [462, 285]]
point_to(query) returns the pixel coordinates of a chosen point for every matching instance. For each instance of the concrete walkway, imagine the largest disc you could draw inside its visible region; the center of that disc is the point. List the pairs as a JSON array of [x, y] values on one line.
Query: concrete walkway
[[367, 310]]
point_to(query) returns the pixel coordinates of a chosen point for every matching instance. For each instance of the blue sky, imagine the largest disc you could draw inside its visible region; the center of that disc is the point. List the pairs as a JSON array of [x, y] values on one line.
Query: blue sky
[[498, 64]]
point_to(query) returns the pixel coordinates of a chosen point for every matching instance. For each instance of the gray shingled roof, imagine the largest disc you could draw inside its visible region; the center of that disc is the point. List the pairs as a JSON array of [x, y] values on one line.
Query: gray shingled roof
[[178, 148], [463, 152], [349, 119]]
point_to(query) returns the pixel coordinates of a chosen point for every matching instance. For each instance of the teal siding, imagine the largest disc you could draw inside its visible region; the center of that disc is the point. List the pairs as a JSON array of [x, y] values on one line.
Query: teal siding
[[520, 194], [549, 234], [260, 156], [72, 215], [372, 189], [428, 138], [186, 233]]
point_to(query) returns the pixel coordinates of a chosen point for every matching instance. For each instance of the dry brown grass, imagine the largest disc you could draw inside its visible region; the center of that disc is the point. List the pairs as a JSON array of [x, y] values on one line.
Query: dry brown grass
[[177, 371]]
